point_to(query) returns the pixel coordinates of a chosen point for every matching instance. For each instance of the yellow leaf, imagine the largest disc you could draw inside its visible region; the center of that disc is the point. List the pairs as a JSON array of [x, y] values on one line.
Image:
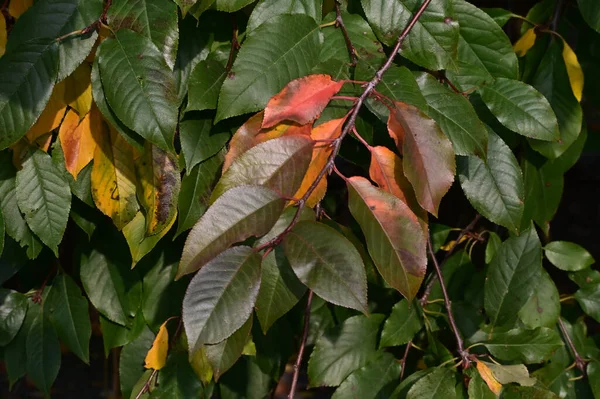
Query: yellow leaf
[[3, 36], [488, 377], [450, 244], [77, 139], [17, 7], [201, 365], [113, 177], [573, 70], [135, 235], [78, 89], [526, 42], [50, 118], [157, 355]]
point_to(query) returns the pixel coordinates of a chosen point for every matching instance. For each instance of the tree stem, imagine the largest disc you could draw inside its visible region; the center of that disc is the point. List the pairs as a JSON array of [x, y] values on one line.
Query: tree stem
[[302, 346], [339, 22], [579, 361]]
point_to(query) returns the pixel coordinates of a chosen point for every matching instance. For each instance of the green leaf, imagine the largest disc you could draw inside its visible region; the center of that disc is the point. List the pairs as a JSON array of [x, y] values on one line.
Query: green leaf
[[499, 15], [43, 353], [196, 188], [327, 263], [185, 5], [495, 186], [543, 307], [246, 380], [44, 198], [204, 85], [484, 50], [31, 69], [521, 108], [401, 326], [478, 388], [344, 349], [568, 256], [552, 80], [231, 5], [198, 143], [515, 392], [526, 346], [13, 308], [371, 381], [513, 272], [279, 164], [593, 372], [70, 316], [433, 41], [15, 354], [47, 20], [221, 296], [438, 384], [265, 10], [280, 50], [2, 229], [408, 381], [154, 19], [284, 221], [506, 374], [139, 243], [590, 12], [280, 289], [456, 117], [493, 244], [177, 379], [131, 361], [81, 188], [588, 297], [139, 86], [240, 213], [223, 355], [394, 236]]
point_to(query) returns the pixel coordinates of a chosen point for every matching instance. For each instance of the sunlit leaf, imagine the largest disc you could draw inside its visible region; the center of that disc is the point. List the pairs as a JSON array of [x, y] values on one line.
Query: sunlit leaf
[[78, 89], [78, 139], [526, 42], [50, 118], [488, 377], [156, 358], [140, 244], [267, 9], [506, 374]]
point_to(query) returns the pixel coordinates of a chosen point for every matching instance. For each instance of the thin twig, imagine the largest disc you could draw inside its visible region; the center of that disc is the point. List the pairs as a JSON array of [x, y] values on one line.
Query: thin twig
[[94, 26], [235, 45], [579, 361], [408, 345], [146, 387], [302, 346], [466, 362], [339, 22]]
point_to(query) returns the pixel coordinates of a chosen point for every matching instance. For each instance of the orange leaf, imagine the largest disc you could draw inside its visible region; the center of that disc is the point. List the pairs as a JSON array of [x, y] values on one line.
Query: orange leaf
[[76, 138], [3, 36], [50, 118], [16, 8], [157, 355], [428, 157], [302, 100], [488, 377], [321, 151]]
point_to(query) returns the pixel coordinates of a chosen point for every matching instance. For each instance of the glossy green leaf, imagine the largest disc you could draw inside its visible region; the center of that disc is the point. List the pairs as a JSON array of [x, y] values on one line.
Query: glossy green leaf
[[494, 242], [543, 307], [44, 198], [433, 41], [279, 164], [68, 311], [221, 296], [438, 384], [131, 361], [284, 221], [196, 188], [344, 349], [456, 117], [280, 50], [526, 346], [515, 392], [154, 19], [223, 355], [394, 236], [568, 256], [280, 289], [265, 10], [43, 353], [177, 379], [590, 12], [495, 186], [13, 308], [401, 326], [484, 50], [31, 69], [327, 263], [371, 381], [204, 85], [408, 381], [521, 108], [139, 86], [231, 5], [49, 19], [588, 297], [240, 213], [198, 142], [513, 272]]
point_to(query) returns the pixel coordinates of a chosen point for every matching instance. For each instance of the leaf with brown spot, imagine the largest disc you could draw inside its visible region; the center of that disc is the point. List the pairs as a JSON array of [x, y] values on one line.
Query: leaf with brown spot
[[138, 242], [302, 100], [78, 89], [428, 157], [395, 239], [160, 181], [321, 151], [113, 177], [77, 139]]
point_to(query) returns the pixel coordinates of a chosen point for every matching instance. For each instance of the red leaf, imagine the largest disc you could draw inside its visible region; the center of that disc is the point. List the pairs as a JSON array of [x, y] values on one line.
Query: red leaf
[[428, 157], [302, 100]]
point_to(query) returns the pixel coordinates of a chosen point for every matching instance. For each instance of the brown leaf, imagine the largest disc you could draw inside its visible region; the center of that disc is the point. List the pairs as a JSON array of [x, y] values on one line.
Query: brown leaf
[[302, 100], [77, 139]]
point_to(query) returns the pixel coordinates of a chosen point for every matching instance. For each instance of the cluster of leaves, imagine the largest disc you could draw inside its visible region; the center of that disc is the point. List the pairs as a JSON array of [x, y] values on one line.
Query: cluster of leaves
[[124, 120]]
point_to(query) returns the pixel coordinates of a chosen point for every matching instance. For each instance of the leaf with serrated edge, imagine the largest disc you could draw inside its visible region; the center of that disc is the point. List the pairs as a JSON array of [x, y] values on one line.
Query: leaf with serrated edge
[[204, 84], [394, 236], [527, 346], [401, 326], [240, 213], [506, 374], [327, 263], [198, 142], [223, 355], [221, 296], [437, 384], [267, 9], [43, 353]]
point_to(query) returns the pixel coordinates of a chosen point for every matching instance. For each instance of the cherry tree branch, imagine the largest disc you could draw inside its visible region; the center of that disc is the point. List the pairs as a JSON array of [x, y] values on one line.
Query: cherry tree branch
[[302, 346], [235, 45], [339, 22], [579, 361], [408, 346], [94, 26]]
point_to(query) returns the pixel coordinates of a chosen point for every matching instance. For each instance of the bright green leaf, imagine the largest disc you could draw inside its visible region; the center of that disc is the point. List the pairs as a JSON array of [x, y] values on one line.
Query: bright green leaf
[[543, 307], [515, 392]]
